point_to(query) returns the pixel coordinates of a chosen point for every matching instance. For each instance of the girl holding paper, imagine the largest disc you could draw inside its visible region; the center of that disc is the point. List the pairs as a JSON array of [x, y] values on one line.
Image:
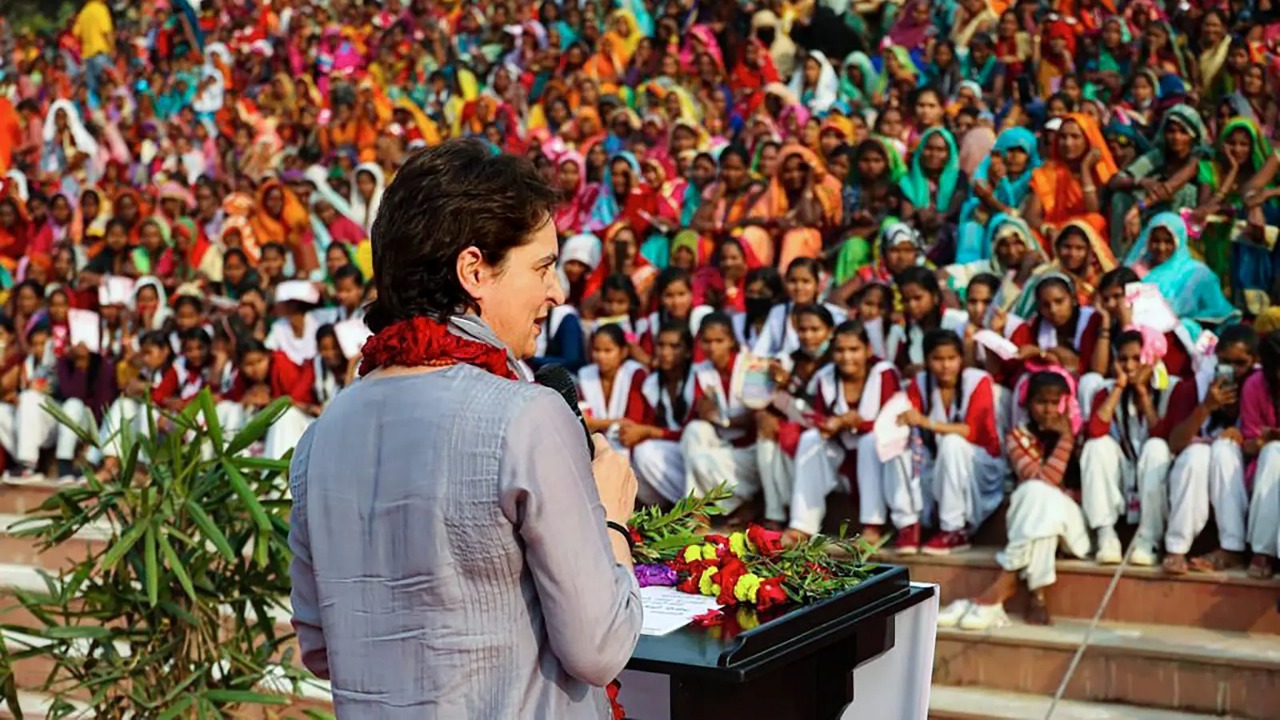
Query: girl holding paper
[[779, 426], [153, 360], [718, 445], [1044, 513], [668, 394], [849, 394], [990, 324], [956, 450]]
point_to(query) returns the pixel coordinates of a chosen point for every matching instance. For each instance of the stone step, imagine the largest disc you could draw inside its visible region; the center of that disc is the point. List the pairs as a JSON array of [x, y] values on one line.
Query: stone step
[[1158, 666], [19, 499], [25, 550], [1229, 601], [957, 703]]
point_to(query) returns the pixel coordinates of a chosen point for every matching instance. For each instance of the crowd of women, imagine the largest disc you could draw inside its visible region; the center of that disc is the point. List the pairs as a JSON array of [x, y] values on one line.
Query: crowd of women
[[941, 255]]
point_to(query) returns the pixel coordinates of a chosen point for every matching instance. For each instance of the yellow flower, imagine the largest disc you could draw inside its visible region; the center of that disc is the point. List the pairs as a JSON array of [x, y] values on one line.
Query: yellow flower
[[747, 618], [747, 587], [707, 583], [738, 544], [693, 552], [708, 551]]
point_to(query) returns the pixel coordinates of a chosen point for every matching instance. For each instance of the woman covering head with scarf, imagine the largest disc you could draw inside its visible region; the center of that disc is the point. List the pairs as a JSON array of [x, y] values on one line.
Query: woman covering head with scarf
[[1015, 255], [573, 212], [70, 152], [1068, 186], [625, 198], [801, 204], [280, 217], [1163, 179], [815, 83], [934, 185], [366, 193], [1241, 153], [1162, 257], [859, 80], [1080, 254], [1000, 184]]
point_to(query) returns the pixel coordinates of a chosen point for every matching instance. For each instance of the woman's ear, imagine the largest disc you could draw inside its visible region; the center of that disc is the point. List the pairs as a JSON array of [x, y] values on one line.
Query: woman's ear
[[473, 272]]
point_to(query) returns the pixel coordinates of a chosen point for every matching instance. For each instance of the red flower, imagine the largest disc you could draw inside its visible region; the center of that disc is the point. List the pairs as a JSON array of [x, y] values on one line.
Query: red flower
[[730, 571], [770, 594], [709, 618], [422, 341], [768, 542], [690, 574], [612, 691], [635, 536]]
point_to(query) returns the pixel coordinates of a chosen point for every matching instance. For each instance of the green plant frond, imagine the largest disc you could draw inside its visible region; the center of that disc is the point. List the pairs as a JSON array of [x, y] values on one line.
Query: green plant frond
[[257, 427]]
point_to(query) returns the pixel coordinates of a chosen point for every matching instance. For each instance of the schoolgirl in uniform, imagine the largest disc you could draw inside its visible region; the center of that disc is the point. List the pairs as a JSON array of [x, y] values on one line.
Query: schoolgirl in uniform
[[762, 290], [849, 394], [1260, 427], [719, 444], [803, 285], [263, 376], [985, 315], [957, 450], [924, 311], [673, 292], [155, 356], [332, 370], [609, 388], [873, 306], [668, 394]]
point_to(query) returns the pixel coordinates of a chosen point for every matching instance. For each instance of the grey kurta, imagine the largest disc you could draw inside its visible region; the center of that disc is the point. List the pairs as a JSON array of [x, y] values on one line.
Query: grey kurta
[[451, 553]]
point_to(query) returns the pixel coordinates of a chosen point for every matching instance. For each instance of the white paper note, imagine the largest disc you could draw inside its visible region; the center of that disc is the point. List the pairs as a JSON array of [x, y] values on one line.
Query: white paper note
[[351, 335], [115, 290], [666, 609], [1003, 348], [1150, 309], [892, 438], [84, 326]]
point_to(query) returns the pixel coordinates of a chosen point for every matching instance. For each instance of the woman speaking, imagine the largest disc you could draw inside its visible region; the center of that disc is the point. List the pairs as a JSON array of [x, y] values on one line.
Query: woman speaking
[[458, 553]]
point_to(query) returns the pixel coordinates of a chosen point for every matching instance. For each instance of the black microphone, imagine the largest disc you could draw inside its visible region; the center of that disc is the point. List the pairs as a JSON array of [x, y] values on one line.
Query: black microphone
[[561, 380]]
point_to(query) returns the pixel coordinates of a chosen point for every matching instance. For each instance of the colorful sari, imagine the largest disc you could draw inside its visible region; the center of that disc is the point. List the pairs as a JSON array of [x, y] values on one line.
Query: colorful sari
[[1243, 268], [1058, 189], [773, 205], [1011, 191], [1192, 289]]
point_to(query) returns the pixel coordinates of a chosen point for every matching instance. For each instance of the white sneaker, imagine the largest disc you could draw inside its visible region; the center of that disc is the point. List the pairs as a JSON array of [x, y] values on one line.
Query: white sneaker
[[984, 617], [24, 477], [950, 615], [1109, 550], [1144, 555]]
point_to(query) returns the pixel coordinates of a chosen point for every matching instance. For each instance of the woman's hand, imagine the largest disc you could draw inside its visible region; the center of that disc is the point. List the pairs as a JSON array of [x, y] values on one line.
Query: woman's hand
[[615, 482], [778, 374], [913, 418], [999, 320], [707, 409], [631, 433], [1133, 223], [1155, 189], [767, 425]]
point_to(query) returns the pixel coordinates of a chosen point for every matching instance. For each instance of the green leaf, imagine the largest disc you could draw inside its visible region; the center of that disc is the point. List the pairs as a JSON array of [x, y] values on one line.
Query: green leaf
[[211, 531], [257, 427], [153, 572], [244, 696], [88, 436], [122, 546], [210, 412], [177, 708], [248, 496], [175, 564], [76, 632], [319, 715]]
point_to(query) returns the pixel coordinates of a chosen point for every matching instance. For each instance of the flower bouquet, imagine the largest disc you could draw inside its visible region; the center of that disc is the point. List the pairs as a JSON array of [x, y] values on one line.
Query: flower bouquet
[[748, 568]]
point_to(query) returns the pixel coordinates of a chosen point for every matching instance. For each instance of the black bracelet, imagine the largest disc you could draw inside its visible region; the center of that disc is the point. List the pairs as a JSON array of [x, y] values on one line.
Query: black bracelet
[[622, 529]]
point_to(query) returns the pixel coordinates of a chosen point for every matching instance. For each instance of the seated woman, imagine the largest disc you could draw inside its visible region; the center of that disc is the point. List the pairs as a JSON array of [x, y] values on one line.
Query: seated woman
[[985, 314], [1126, 455], [609, 387], [1117, 315], [872, 194], [801, 207], [262, 376], [900, 247], [1163, 179], [935, 186], [1260, 428], [779, 426], [762, 290], [1239, 156], [1162, 258], [332, 369], [1068, 186], [1044, 511], [1014, 255], [924, 312], [655, 441], [718, 445], [999, 187], [803, 284], [958, 446], [728, 200], [673, 294], [849, 393], [1063, 332], [1081, 254]]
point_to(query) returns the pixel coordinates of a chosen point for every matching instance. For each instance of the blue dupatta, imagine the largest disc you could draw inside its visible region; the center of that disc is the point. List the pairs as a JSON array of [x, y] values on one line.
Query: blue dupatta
[[1192, 289], [915, 186]]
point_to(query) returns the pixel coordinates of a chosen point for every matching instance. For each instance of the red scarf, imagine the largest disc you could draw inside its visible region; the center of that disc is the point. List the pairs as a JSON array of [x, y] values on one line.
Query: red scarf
[[425, 342]]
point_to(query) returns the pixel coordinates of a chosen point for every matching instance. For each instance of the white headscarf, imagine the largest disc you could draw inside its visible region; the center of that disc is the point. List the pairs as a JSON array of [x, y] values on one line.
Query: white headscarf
[[585, 248], [366, 212], [827, 90], [79, 134], [162, 307]]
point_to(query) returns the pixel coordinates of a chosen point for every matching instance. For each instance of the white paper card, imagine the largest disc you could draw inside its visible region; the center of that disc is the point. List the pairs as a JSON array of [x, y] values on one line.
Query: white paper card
[[351, 335], [1150, 309], [666, 609], [84, 326], [996, 343], [892, 438], [115, 290]]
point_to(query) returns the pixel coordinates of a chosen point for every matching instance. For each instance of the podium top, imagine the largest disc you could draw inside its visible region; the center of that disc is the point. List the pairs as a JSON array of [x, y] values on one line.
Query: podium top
[[700, 651]]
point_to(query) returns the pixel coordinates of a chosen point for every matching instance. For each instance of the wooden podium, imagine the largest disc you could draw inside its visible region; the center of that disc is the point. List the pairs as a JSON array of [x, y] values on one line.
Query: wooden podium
[[798, 665]]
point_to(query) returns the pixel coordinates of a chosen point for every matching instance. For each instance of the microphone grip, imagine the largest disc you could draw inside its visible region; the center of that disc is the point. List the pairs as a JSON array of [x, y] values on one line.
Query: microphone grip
[[557, 378]]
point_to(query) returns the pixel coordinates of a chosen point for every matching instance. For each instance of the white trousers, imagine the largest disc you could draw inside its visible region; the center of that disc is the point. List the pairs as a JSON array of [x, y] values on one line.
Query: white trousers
[[966, 483], [659, 466], [777, 478], [123, 413], [1086, 390], [1041, 518], [285, 433], [8, 428], [884, 489], [710, 461], [37, 429], [1264, 507], [1203, 477], [1105, 473]]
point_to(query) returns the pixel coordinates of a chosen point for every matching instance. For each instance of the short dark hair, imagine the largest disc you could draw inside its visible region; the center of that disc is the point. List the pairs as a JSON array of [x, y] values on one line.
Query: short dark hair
[[349, 272], [446, 198], [197, 334]]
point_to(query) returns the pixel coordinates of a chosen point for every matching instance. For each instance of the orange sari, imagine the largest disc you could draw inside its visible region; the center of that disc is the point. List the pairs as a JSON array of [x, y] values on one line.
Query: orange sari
[[804, 241], [1059, 190]]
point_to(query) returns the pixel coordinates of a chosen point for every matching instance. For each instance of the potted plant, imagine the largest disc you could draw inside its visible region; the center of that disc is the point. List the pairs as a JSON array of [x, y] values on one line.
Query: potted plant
[[176, 614]]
